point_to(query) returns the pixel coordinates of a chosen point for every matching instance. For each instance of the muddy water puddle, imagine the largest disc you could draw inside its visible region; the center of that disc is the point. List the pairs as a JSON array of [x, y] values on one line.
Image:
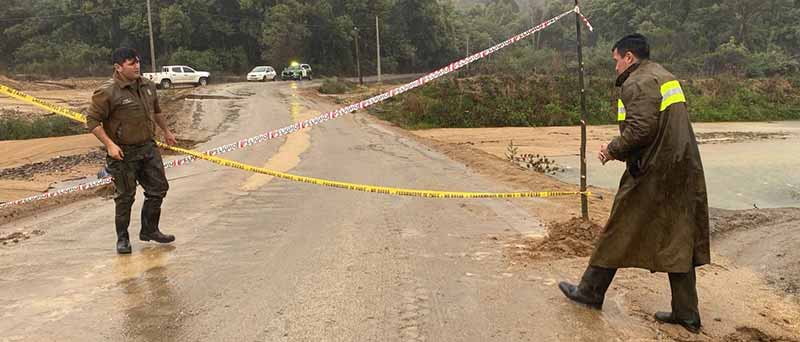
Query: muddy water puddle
[[747, 165]]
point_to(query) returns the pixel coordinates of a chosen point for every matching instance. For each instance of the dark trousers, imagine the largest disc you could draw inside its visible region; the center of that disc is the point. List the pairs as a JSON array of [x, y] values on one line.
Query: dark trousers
[[596, 280], [142, 164]]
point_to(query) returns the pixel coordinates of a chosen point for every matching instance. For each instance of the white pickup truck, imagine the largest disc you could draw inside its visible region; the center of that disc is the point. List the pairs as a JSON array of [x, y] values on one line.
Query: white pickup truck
[[177, 74]]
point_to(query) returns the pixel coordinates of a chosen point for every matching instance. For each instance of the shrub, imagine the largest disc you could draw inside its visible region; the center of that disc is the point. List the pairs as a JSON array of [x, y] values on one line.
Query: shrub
[[19, 129], [335, 86]]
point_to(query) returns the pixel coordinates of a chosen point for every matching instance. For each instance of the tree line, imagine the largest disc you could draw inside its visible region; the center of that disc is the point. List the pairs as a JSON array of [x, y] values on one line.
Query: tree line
[[750, 38]]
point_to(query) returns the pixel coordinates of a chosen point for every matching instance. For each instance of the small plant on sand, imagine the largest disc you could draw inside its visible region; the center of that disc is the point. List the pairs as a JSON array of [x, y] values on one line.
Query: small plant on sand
[[511, 151], [534, 162]]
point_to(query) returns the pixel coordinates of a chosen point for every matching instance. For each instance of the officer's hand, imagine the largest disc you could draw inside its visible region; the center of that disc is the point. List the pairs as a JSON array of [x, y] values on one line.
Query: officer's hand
[[603, 155], [115, 152], [601, 158], [170, 138]]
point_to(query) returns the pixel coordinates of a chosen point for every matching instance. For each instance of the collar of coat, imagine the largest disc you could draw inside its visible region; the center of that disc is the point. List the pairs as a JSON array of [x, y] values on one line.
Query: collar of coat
[[625, 74]]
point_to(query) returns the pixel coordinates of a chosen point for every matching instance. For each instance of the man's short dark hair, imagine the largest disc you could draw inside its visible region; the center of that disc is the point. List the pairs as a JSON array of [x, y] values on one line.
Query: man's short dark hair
[[124, 54], [635, 43]]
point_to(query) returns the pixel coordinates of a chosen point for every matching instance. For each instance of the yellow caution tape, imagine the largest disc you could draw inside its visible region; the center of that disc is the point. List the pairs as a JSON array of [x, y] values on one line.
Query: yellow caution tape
[[41, 104], [369, 188], [323, 182]]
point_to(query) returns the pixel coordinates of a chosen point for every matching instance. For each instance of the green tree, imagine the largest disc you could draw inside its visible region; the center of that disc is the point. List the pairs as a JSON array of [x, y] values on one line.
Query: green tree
[[176, 27], [285, 33], [422, 33]]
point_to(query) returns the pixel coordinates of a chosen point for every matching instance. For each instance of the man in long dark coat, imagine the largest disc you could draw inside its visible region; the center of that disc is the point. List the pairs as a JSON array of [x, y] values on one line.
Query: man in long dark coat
[[659, 220]]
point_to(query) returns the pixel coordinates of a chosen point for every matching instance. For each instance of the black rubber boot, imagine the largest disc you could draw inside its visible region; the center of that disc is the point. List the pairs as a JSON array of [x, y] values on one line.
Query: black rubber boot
[[151, 214], [572, 292], [157, 236], [667, 317], [592, 289], [123, 246], [684, 302]]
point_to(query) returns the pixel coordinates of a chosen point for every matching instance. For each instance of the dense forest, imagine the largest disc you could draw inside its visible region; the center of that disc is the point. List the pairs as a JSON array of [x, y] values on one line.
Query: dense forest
[[751, 38]]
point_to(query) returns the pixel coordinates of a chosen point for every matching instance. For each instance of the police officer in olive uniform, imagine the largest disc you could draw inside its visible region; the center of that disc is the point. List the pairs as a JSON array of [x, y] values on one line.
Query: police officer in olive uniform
[[123, 115], [659, 220]]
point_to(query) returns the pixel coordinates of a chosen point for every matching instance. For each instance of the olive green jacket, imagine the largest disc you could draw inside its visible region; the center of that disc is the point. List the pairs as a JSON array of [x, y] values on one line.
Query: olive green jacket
[[659, 220], [125, 109]]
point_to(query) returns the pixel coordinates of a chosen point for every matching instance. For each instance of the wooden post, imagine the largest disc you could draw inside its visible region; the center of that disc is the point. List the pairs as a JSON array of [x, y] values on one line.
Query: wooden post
[[584, 198], [152, 46]]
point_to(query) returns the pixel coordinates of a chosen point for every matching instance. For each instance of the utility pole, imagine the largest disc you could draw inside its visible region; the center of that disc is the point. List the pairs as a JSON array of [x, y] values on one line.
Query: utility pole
[[358, 60], [152, 46], [530, 10], [584, 198], [467, 67], [378, 51]]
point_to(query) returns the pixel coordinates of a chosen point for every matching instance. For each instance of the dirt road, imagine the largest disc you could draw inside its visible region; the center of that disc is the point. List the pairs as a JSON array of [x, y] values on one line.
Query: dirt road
[[260, 259]]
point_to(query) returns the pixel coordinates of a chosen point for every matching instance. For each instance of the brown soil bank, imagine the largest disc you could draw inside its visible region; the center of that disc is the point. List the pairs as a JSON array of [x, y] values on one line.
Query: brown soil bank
[[761, 239]]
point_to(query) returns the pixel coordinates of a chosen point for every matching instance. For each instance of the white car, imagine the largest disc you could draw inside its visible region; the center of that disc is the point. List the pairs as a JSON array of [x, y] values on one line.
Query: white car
[[262, 73], [178, 74]]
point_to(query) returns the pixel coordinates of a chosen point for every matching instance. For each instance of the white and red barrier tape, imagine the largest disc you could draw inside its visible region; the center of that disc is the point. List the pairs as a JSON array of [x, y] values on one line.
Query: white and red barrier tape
[[321, 118], [577, 11]]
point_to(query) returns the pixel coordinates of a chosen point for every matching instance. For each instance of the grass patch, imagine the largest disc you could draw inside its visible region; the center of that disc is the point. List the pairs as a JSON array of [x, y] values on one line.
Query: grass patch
[[12, 128], [335, 86]]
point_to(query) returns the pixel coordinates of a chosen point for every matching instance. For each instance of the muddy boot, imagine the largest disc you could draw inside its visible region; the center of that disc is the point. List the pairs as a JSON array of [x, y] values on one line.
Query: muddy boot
[[667, 317], [157, 236], [151, 215], [123, 246], [592, 289], [125, 192], [155, 186], [684, 302], [122, 219]]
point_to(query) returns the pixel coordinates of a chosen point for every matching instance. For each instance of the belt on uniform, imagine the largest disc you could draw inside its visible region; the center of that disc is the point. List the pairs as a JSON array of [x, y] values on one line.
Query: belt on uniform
[[149, 142]]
